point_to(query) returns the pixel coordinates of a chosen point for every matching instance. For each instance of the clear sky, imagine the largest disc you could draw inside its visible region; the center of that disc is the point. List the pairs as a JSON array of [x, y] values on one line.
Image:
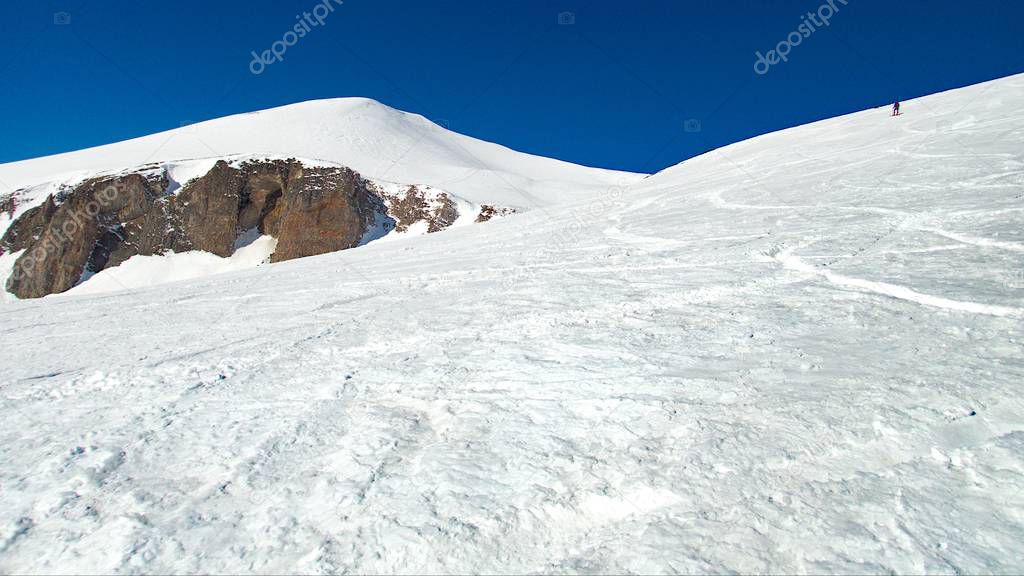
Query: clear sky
[[616, 84]]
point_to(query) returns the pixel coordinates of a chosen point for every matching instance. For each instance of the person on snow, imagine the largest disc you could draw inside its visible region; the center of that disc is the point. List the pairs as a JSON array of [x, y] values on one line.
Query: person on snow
[[896, 108]]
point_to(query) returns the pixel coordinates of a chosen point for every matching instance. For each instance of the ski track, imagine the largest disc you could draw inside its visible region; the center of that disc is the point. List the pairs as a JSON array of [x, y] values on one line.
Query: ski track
[[975, 241], [789, 260], [695, 377]]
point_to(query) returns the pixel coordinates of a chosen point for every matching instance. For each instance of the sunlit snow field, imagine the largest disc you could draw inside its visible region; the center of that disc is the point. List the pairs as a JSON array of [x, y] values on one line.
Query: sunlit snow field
[[800, 353]]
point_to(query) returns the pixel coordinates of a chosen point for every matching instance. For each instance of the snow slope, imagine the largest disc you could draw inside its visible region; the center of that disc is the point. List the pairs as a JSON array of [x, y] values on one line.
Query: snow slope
[[375, 140], [390, 147], [800, 353]]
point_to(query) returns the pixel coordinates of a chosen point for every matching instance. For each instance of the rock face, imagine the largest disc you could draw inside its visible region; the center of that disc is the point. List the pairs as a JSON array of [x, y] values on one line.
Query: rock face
[[324, 210], [414, 205], [105, 221], [64, 235], [310, 210], [488, 211]]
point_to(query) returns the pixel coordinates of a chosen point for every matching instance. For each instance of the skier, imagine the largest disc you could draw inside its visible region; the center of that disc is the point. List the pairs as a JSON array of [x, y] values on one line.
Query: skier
[[896, 108]]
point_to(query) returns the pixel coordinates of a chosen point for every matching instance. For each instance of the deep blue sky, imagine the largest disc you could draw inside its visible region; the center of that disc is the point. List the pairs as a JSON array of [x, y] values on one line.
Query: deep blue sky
[[614, 89]]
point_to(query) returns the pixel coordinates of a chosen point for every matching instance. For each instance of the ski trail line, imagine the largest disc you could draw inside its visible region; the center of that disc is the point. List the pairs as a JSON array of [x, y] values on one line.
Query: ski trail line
[[975, 241], [792, 262]]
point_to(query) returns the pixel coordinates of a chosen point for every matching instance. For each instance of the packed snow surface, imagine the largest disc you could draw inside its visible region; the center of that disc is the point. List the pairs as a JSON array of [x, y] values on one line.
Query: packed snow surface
[[800, 353]]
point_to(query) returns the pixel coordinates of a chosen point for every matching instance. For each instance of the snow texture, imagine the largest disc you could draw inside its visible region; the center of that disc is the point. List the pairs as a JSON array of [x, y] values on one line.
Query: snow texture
[[798, 354]]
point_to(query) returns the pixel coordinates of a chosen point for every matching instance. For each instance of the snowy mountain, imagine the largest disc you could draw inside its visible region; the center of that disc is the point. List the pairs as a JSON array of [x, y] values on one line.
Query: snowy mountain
[[279, 186], [379, 142], [800, 353]]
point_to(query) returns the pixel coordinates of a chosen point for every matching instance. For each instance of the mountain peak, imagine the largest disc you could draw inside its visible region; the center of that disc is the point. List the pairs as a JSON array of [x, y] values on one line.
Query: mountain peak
[[364, 134]]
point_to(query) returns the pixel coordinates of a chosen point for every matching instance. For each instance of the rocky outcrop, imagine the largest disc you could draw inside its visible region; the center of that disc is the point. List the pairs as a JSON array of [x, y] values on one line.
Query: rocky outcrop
[[414, 205], [323, 210], [64, 235], [104, 221], [8, 204], [489, 211], [206, 210]]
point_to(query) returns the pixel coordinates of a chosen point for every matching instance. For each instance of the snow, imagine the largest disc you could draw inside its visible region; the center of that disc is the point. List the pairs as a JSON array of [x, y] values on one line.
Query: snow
[[467, 211], [393, 149], [145, 271], [7, 262], [180, 173], [787, 259], [155, 270], [25, 200], [798, 354], [377, 141]]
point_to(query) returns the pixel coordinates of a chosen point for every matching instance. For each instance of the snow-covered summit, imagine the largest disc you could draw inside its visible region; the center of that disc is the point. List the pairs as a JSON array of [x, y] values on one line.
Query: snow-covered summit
[[391, 149], [377, 141]]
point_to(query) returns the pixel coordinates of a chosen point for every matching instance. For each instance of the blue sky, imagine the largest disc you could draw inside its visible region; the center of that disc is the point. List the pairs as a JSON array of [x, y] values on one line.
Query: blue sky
[[615, 85]]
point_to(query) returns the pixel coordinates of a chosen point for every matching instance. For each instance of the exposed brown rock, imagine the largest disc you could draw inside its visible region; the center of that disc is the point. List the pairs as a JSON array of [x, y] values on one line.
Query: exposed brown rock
[[488, 211], [324, 210], [60, 239], [444, 214], [407, 209], [207, 210], [106, 220], [263, 188], [28, 226], [8, 204], [413, 206]]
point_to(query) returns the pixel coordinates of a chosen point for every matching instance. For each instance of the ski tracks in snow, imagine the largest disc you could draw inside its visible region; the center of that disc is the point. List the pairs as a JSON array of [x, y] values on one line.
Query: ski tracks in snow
[[789, 260], [974, 240], [670, 385]]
